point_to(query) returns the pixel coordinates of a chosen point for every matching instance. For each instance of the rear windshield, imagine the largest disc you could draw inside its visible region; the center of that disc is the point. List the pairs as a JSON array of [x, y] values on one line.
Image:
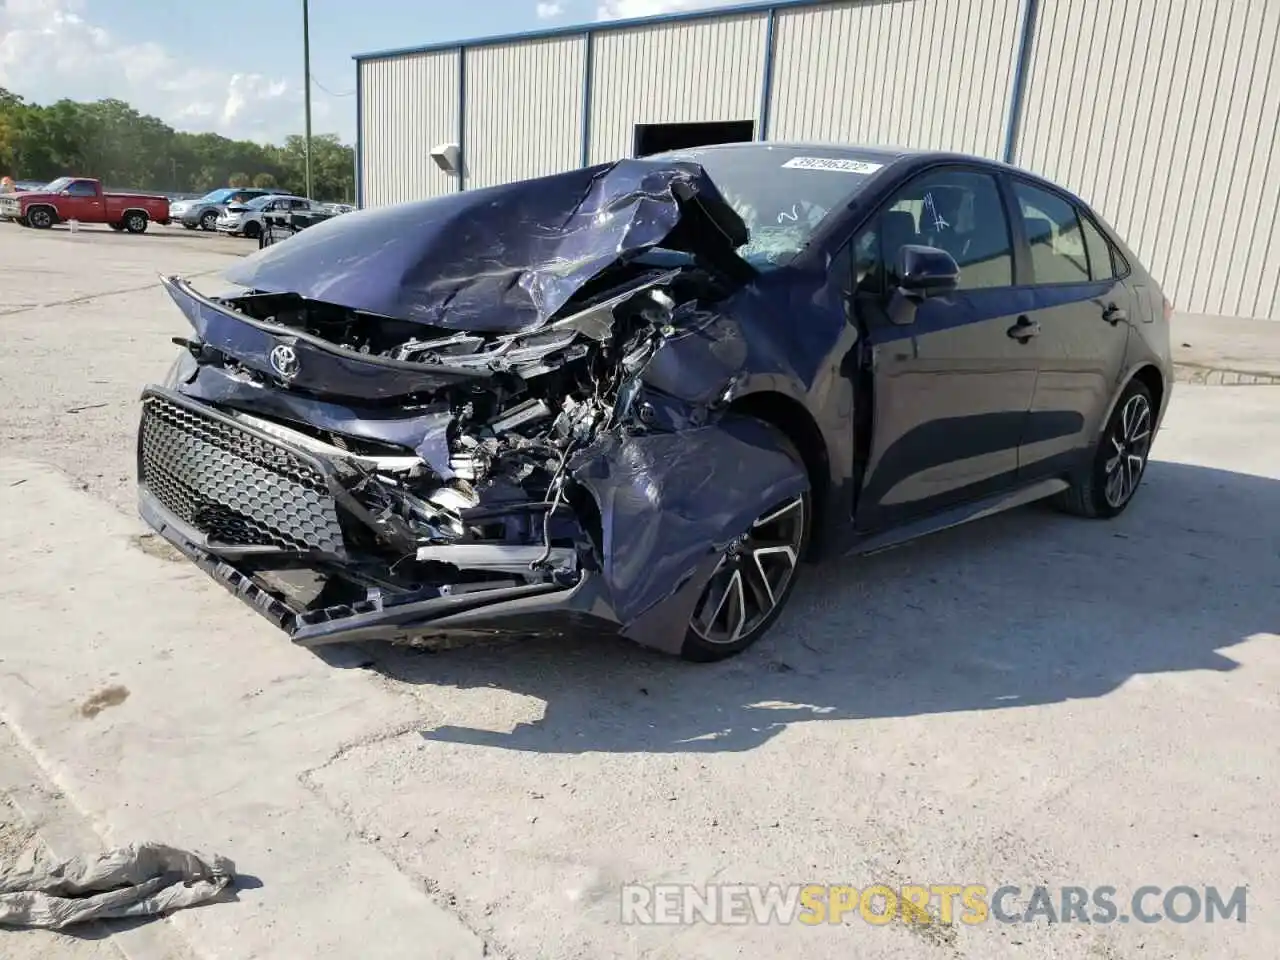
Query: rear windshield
[[783, 194]]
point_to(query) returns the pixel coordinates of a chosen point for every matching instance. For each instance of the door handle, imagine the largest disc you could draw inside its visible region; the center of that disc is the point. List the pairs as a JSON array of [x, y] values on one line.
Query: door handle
[[1024, 329], [1113, 314]]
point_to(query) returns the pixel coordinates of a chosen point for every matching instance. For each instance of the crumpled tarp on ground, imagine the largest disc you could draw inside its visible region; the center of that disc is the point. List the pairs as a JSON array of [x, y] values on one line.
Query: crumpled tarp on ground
[[140, 880]]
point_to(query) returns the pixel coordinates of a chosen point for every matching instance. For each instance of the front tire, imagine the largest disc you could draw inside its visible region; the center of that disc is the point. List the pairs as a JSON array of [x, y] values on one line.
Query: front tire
[[253, 230], [1119, 460], [751, 584], [40, 217], [117, 227], [208, 221], [188, 226]]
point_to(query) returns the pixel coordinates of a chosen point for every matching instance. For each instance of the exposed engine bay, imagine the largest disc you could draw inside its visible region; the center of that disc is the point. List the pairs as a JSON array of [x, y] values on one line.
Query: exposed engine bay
[[487, 499]]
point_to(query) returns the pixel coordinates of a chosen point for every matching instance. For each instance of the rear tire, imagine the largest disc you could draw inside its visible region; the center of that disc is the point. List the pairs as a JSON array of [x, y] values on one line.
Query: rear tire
[[753, 582], [135, 222], [1119, 460]]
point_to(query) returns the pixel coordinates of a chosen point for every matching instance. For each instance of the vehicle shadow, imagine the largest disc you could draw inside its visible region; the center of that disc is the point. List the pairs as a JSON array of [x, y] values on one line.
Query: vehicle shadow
[[1027, 608]]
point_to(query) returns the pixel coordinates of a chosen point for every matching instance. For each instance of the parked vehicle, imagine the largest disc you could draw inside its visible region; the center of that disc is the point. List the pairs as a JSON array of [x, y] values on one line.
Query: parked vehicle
[[246, 219], [634, 396], [82, 199], [204, 212]]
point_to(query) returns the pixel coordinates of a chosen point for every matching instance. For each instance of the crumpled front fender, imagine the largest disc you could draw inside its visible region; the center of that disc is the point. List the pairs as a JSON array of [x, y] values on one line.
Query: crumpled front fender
[[669, 505]]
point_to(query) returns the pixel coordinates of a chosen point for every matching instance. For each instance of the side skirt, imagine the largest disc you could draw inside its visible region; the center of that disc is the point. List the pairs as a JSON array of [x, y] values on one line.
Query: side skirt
[[954, 517]]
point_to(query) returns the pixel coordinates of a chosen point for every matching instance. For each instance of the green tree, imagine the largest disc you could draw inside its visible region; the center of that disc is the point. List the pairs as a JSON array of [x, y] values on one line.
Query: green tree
[[110, 140], [265, 181]]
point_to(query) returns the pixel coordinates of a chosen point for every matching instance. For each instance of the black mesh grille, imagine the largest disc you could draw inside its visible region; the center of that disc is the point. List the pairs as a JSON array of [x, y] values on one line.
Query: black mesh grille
[[232, 485]]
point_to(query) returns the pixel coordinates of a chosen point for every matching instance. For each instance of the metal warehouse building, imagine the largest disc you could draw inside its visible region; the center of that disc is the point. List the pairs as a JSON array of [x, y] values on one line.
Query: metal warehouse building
[[1161, 113]]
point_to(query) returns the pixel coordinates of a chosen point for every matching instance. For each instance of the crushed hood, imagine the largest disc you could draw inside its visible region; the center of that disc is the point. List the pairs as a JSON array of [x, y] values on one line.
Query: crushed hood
[[502, 259]]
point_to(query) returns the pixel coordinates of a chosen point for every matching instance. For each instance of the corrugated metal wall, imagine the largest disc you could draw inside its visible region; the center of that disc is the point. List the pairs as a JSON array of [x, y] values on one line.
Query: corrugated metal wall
[[408, 105], [1164, 114], [915, 73], [524, 109], [674, 73]]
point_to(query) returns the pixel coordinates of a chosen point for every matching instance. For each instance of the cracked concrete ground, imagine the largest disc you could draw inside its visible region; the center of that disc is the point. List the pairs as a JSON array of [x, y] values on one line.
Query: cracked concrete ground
[[1032, 699]]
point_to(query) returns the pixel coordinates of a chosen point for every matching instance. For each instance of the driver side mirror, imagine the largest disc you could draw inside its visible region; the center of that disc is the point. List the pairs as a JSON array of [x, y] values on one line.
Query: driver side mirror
[[925, 272]]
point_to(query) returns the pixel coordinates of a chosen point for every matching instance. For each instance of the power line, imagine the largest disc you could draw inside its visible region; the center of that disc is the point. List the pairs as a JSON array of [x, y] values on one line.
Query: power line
[[324, 89]]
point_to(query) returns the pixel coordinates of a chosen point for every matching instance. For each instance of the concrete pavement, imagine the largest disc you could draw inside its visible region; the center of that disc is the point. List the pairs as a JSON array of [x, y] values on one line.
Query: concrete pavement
[[1033, 698], [1029, 699], [1226, 350], [210, 724]]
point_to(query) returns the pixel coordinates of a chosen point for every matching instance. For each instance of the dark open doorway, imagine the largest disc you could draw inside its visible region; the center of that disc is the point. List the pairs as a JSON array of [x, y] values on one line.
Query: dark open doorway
[[660, 137]]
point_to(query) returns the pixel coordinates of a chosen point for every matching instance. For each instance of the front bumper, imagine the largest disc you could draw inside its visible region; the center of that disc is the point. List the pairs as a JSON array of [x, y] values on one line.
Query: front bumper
[[532, 611], [281, 524]]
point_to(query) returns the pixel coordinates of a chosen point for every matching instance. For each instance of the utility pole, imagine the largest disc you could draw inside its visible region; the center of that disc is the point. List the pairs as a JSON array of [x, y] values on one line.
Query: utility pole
[[306, 87]]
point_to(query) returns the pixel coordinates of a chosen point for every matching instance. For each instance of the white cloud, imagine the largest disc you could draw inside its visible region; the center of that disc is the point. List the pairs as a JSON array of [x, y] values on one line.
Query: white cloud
[[547, 11], [49, 51], [624, 9]]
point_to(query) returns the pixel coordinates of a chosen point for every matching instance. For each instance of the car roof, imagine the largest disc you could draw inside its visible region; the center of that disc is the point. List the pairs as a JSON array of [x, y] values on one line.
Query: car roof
[[853, 151], [886, 155]]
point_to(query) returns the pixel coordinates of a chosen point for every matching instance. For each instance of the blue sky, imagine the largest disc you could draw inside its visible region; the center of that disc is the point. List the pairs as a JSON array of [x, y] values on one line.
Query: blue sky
[[235, 66]]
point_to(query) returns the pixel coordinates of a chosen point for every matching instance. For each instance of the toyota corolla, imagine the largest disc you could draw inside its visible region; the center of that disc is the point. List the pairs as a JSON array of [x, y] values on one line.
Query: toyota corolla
[[635, 396]]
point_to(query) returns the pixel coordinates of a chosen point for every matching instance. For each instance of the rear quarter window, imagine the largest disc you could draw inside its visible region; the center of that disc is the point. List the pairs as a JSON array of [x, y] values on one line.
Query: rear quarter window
[[1102, 258], [1054, 235]]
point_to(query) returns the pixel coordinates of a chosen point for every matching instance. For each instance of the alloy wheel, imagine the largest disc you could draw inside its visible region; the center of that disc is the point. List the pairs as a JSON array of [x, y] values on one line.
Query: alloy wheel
[[752, 576], [40, 219], [1129, 445]]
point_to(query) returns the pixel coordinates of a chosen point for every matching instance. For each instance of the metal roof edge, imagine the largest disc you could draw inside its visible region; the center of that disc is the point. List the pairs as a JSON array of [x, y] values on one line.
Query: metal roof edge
[[594, 26]]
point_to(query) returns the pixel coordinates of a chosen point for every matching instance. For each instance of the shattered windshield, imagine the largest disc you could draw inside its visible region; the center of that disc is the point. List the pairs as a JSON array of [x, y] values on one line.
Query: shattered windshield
[[55, 185], [782, 193]]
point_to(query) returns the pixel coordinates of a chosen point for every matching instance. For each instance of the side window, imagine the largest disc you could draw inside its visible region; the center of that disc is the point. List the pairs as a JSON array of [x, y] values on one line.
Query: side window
[[956, 210], [1101, 265], [298, 204], [1054, 236], [82, 188]]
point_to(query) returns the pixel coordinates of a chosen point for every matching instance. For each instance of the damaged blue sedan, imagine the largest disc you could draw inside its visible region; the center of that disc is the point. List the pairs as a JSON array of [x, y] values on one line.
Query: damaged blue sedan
[[633, 397]]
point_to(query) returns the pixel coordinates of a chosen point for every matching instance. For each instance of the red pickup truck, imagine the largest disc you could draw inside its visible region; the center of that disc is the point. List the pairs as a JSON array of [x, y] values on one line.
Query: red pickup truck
[[81, 198]]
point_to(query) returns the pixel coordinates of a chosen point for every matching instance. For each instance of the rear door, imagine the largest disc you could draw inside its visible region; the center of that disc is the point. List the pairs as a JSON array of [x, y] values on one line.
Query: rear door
[[951, 389], [1080, 309]]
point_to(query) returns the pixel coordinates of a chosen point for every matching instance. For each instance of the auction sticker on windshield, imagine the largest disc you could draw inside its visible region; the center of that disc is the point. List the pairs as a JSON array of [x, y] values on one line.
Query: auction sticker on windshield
[[841, 164]]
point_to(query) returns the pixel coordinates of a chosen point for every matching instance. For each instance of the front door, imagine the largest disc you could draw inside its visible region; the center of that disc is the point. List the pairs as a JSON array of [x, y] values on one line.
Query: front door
[[952, 387], [1082, 314], [82, 202]]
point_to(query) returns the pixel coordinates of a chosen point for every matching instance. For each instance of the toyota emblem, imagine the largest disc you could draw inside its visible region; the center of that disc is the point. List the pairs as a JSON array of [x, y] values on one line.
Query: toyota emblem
[[284, 361]]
